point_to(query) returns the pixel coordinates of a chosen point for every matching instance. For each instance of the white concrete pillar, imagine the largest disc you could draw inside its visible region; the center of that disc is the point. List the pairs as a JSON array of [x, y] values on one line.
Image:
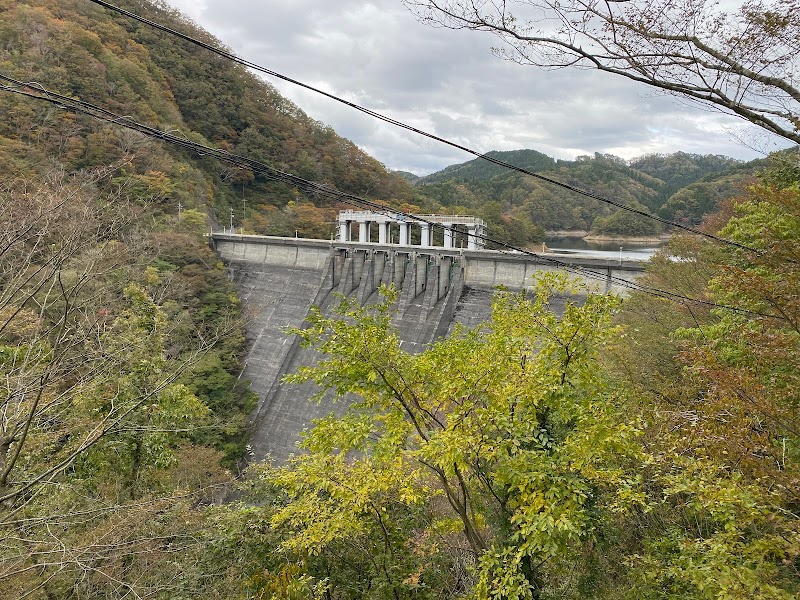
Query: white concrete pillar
[[472, 241], [363, 232], [344, 231], [425, 235], [404, 234], [448, 235], [383, 233]]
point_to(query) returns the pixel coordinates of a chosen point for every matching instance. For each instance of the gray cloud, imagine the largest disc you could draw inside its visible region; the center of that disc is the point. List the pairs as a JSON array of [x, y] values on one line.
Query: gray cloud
[[447, 82]]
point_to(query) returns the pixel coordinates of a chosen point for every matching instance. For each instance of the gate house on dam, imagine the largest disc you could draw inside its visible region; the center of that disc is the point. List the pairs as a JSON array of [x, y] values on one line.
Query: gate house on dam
[[473, 229], [280, 279]]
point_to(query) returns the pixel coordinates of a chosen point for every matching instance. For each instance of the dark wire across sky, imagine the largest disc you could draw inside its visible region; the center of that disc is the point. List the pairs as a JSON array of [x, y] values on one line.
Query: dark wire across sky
[[391, 121], [36, 90]]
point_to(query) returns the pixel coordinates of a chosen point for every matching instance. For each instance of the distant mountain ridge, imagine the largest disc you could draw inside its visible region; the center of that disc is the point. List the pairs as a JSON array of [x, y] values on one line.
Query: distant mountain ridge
[[676, 170], [478, 168], [680, 187]]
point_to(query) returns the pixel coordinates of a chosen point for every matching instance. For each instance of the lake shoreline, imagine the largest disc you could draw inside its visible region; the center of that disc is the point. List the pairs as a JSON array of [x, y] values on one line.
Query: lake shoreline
[[606, 239], [566, 233], [653, 239]]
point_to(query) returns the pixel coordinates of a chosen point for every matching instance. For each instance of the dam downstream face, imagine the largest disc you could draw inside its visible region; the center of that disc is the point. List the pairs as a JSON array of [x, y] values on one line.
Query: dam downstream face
[[282, 297], [280, 279]]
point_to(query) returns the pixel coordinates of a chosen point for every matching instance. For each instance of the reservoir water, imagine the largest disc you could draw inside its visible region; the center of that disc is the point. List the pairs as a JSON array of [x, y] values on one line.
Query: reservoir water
[[608, 250]]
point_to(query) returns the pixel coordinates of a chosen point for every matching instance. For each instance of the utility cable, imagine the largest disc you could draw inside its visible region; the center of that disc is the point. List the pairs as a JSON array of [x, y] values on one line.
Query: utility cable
[[99, 113], [271, 173], [255, 67]]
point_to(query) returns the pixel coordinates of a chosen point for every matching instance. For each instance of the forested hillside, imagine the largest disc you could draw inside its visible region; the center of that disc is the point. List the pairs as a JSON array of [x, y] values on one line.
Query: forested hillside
[[121, 338], [81, 50], [680, 187]]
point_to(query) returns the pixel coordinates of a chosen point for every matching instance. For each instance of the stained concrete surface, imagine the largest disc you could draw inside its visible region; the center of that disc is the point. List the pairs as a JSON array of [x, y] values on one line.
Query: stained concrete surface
[[280, 285]]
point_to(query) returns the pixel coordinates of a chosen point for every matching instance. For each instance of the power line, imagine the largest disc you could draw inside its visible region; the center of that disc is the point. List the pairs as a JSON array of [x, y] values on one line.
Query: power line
[[97, 112], [396, 123], [309, 186]]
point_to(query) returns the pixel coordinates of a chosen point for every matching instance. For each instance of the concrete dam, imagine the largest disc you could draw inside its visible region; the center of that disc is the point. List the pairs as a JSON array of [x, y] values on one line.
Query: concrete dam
[[280, 279]]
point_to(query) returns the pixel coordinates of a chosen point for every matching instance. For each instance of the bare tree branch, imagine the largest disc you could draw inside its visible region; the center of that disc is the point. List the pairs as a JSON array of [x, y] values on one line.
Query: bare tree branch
[[742, 62]]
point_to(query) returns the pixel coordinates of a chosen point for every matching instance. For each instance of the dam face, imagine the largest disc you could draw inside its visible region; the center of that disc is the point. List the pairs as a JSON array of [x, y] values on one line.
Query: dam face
[[280, 279]]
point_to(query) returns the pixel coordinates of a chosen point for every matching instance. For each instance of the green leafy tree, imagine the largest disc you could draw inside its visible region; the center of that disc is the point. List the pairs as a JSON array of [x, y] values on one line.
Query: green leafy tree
[[723, 409], [506, 434], [139, 386]]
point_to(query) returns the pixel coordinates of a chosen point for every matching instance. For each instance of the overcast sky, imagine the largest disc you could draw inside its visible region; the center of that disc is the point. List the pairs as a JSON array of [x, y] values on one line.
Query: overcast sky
[[374, 53]]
